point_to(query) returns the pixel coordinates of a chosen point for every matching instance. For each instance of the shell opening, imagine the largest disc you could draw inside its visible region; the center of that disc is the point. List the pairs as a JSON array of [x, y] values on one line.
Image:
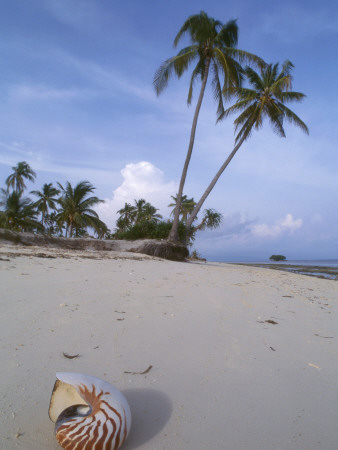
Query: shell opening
[[64, 396]]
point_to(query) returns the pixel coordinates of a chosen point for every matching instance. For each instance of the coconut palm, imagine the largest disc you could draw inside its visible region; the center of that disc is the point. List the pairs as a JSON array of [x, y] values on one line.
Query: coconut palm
[[139, 209], [76, 209], [211, 219], [150, 214], [47, 199], [127, 216], [18, 213], [186, 208], [20, 172], [266, 100], [213, 48]]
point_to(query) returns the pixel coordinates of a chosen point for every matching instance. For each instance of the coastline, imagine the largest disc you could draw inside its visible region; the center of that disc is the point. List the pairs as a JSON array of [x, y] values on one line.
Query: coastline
[[314, 270], [241, 357]]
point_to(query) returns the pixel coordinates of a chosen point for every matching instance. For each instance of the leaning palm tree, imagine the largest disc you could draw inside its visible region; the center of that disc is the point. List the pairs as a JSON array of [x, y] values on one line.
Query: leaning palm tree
[[270, 91], [16, 179], [187, 207], [76, 209], [46, 199], [213, 48], [211, 219], [18, 213]]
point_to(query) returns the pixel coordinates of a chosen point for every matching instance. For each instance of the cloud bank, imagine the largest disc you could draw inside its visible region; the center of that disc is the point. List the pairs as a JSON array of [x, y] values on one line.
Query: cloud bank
[[288, 224], [140, 180]]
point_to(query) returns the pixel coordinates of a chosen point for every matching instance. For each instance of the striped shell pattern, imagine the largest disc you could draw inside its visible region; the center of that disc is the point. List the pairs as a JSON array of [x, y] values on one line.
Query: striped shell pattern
[[89, 413]]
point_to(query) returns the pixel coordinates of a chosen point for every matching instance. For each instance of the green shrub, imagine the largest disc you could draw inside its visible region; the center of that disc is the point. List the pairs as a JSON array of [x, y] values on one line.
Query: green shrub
[[150, 230], [277, 258]]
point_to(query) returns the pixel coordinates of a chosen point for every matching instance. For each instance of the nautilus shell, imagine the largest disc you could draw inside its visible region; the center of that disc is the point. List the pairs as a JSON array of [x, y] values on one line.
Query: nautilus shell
[[89, 413]]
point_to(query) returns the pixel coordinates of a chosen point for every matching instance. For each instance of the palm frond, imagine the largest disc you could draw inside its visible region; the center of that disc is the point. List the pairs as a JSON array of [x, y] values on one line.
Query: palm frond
[[177, 64], [293, 118], [228, 35], [217, 89], [198, 71], [244, 57], [287, 97]]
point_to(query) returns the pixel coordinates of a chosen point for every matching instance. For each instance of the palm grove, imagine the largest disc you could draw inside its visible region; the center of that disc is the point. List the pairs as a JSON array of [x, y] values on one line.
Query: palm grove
[[257, 91], [68, 211]]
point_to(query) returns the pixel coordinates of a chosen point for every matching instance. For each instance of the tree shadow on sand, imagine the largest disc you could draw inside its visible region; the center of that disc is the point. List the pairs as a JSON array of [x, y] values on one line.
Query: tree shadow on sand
[[150, 410]]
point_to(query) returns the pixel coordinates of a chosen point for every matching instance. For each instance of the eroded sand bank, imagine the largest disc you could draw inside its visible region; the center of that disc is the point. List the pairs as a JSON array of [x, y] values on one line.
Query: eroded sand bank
[[242, 358]]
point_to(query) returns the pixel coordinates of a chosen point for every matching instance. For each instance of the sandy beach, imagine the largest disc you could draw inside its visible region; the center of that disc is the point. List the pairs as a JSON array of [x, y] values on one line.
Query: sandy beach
[[242, 357]]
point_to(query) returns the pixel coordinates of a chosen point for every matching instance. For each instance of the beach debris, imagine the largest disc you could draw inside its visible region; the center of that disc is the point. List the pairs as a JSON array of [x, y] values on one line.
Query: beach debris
[[120, 312], [272, 349], [66, 355], [314, 366], [99, 412], [271, 321], [325, 337], [18, 434], [140, 373], [120, 319]]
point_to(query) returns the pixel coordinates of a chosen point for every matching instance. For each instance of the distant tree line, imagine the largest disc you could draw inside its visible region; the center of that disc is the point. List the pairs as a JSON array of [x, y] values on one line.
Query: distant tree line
[[142, 220], [67, 211], [277, 258], [57, 211]]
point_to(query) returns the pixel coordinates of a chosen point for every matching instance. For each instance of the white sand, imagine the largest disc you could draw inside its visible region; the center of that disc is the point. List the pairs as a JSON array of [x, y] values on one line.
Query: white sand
[[222, 377]]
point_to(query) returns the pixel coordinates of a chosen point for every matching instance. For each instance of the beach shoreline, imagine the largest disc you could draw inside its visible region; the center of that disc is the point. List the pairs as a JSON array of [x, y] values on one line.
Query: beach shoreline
[[242, 357]]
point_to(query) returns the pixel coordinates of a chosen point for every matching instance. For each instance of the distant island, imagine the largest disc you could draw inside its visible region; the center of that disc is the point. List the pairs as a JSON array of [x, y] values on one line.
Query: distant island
[[277, 258]]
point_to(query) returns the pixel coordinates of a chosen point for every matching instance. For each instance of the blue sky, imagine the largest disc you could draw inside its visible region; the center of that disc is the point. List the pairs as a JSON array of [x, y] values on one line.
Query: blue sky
[[77, 103]]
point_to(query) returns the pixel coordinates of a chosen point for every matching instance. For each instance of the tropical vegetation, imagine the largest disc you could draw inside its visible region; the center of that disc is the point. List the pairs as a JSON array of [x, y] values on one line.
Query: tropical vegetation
[[266, 99], [63, 211], [68, 211], [277, 258], [213, 49], [16, 179]]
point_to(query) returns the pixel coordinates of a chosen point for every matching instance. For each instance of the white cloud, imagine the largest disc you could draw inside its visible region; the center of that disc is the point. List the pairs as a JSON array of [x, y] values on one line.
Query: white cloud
[[140, 180], [288, 224], [42, 92]]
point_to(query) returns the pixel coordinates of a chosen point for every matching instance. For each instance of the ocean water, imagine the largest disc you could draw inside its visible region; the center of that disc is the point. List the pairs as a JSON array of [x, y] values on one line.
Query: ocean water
[[306, 267], [306, 262]]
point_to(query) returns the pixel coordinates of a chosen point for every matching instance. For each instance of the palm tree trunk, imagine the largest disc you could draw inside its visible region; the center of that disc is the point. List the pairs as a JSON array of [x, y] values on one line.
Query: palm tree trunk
[[173, 236], [212, 184]]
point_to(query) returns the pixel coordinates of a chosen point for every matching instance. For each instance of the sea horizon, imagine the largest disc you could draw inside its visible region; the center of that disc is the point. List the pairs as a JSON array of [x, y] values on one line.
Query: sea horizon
[[293, 262]]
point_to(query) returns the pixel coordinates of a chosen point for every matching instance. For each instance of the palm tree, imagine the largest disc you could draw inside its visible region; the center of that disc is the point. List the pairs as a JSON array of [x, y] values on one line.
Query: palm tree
[[213, 48], [127, 216], [18, 213], [46, 199], [16, 180], [150, 214], [270, 91], [139, 209], [211, 219], [187, 207], [76, 209]]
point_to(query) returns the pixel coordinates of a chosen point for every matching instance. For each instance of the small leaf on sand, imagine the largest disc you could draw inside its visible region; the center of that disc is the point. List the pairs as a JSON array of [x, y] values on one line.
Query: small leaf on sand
[[271, 321], [66, 355], [140, 373]]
